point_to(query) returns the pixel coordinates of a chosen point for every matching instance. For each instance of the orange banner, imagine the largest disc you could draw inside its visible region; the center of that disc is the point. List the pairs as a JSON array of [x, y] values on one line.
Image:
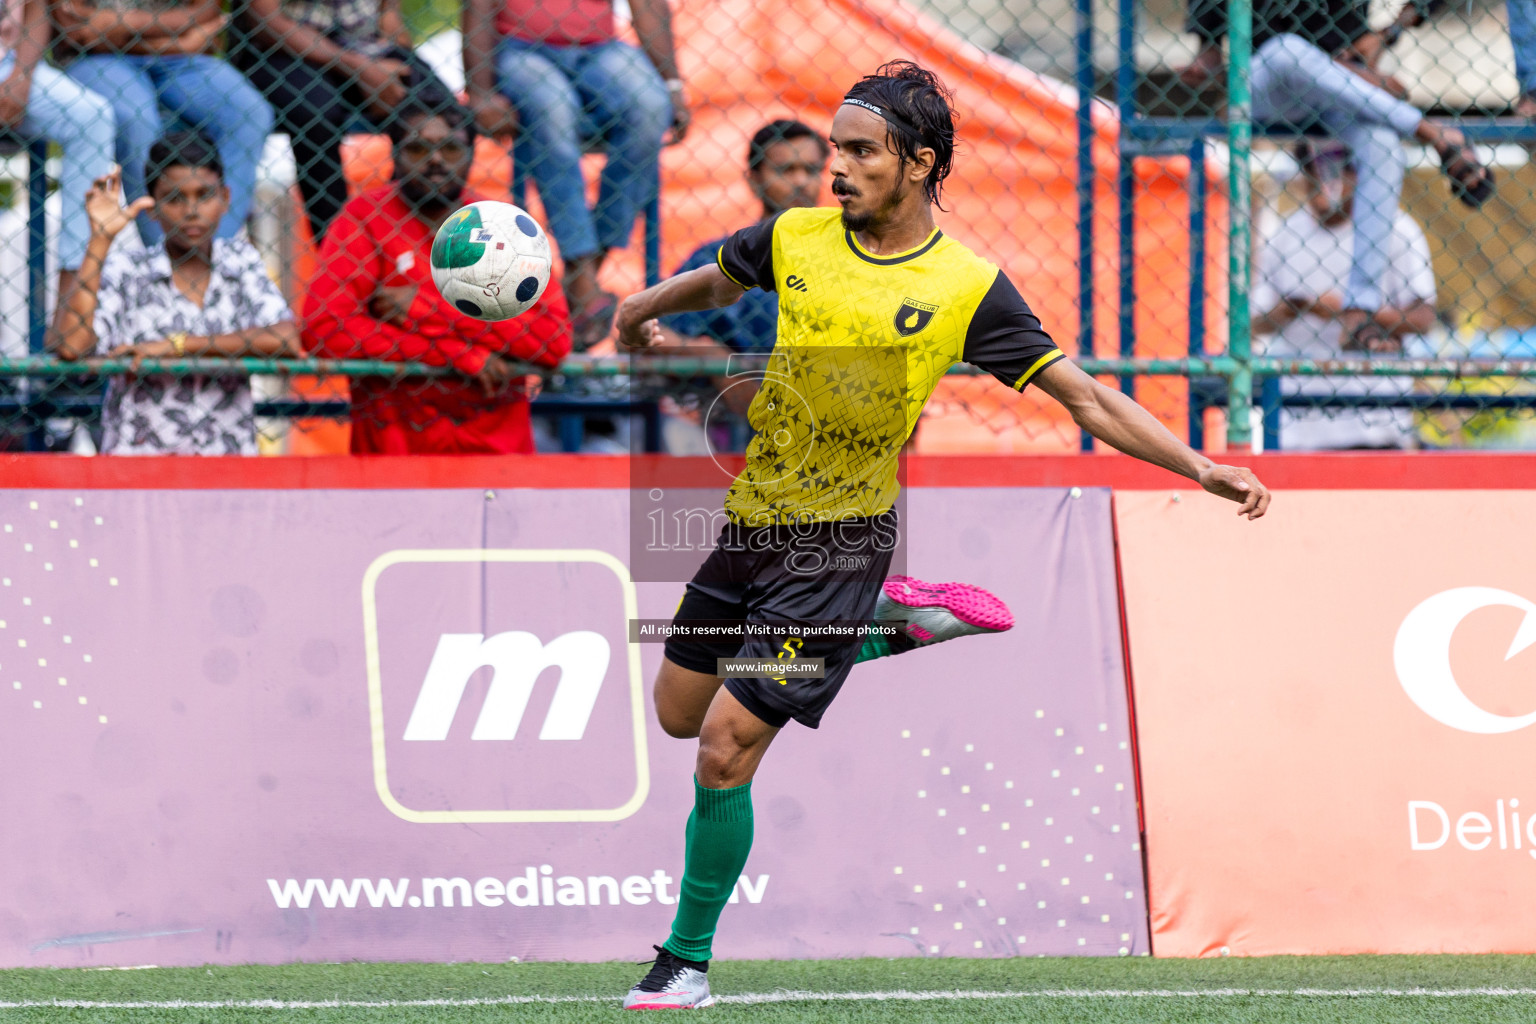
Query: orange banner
[[1336, 709]]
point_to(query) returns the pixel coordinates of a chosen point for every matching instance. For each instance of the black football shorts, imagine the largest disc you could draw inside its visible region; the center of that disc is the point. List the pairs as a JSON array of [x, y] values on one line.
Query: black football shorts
[[788, 577]]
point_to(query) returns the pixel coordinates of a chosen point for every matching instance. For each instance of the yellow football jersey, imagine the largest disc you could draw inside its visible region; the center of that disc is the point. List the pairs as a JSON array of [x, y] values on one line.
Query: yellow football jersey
[[862, 342]]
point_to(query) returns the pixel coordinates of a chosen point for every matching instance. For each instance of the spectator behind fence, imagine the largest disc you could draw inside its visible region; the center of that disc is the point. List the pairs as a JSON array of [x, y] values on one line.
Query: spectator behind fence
[[785, 164], [328, 67], [38, 101], [1298, 289], [786, 161], [374, 299], [1522, 38], [143, 56], [1314, 68], [571, 81], [191, 295]]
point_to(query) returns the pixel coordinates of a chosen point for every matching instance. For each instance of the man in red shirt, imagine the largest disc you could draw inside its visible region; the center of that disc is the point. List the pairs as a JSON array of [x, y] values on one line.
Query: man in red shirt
[[374, 299]]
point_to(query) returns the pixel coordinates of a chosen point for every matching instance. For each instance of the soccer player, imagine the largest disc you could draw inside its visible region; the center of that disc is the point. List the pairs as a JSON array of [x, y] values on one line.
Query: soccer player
[[786, 161], [875, 304]]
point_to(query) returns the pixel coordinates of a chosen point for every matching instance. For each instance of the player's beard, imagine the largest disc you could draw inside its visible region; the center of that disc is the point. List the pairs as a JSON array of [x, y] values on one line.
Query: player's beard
[[423, 194], [858, 222]]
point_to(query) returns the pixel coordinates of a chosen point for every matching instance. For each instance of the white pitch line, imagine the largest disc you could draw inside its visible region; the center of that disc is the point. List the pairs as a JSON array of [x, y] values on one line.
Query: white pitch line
[[750, 998]]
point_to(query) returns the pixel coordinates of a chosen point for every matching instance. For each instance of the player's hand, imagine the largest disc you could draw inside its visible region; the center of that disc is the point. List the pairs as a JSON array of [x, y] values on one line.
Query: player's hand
[[682, 117], [14, 92], [201, 37], [494, 116], [142, 351], [392, 305], [636, 333], [69, 13], [496, 376], [384, 84], [1201, 71], [108, 217], [1327, 305], [1237, 484]]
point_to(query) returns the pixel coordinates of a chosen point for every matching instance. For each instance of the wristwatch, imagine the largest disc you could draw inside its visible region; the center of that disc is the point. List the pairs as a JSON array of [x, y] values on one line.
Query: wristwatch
[[178, 340]]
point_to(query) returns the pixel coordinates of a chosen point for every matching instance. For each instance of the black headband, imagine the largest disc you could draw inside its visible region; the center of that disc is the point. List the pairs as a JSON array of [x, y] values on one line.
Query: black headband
[[894, 120]]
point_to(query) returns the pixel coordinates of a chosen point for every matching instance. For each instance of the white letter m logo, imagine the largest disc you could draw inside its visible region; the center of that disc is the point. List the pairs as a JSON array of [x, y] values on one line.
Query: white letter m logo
[[517, 659]]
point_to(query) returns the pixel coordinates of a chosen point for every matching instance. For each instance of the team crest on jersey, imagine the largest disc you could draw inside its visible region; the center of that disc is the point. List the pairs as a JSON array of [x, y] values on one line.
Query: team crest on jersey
[[913, 316]]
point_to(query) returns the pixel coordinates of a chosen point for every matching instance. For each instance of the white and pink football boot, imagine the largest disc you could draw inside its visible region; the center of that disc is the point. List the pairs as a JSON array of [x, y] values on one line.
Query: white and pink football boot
[[672, 984], [931, 613]]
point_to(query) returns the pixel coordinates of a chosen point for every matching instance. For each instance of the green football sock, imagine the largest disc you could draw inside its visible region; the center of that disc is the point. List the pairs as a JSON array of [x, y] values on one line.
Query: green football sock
[[719, 838], [878, 646]]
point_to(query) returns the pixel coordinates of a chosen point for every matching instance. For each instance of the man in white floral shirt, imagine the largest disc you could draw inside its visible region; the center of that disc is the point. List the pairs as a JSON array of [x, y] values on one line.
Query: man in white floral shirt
[[192, 295]]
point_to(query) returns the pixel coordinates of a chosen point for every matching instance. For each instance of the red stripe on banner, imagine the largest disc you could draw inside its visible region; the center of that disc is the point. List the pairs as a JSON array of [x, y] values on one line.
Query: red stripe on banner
[[1334, 471], [1351, 471]]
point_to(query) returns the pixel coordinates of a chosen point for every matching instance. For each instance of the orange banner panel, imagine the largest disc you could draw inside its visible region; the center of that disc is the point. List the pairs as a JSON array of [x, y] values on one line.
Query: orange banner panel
[[1336, 710]]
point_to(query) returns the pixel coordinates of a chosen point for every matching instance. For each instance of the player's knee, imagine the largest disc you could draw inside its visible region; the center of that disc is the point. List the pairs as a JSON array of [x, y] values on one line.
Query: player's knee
[[715, 765], [675, 722], [1290, 49], [722, 762]]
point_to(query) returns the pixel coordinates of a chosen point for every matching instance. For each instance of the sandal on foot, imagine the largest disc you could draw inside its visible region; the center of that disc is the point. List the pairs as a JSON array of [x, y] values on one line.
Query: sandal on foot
[[1471, 181], [593, 321], [1370, 337]]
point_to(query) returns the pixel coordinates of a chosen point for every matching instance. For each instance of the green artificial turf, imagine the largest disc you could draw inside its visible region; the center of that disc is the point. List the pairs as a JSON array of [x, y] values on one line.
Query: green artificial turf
[[1268, 991]]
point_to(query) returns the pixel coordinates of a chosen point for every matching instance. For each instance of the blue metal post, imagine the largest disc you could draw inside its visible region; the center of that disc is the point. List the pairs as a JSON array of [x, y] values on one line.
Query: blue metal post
[[1269, 402], [1197, 196], [572, 430], [1085, 183], [1125, 96], [653, 234], [37, 275], [37, 246]]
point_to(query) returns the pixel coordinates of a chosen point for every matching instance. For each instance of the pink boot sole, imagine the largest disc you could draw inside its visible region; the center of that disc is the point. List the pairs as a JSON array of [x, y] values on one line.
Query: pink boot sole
[[971, 605]]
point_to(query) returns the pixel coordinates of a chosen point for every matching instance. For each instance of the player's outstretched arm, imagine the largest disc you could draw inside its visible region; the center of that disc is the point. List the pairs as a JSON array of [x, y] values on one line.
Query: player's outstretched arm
[[1119, 422], [704, 288]]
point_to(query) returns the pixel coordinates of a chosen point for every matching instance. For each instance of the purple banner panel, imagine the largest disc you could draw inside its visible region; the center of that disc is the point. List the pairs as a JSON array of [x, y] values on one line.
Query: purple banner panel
[[268, 726]]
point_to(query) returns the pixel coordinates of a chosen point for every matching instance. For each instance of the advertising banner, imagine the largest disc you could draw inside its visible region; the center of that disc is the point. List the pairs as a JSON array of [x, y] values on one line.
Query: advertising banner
[[278, 725], [1334, 708]]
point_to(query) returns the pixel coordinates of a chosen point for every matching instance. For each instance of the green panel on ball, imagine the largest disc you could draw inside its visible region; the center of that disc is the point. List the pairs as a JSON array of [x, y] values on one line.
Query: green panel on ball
[[454, 246]]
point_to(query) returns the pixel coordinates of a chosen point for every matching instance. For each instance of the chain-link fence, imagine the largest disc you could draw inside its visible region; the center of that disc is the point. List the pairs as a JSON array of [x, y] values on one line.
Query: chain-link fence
[[272, 292]]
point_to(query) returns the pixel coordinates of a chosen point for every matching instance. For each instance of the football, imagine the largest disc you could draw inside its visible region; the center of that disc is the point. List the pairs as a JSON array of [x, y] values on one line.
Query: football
[[491, 260]]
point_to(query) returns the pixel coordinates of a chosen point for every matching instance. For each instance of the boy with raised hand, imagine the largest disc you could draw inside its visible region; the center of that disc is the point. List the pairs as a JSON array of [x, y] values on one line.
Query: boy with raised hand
[[190, 295]]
